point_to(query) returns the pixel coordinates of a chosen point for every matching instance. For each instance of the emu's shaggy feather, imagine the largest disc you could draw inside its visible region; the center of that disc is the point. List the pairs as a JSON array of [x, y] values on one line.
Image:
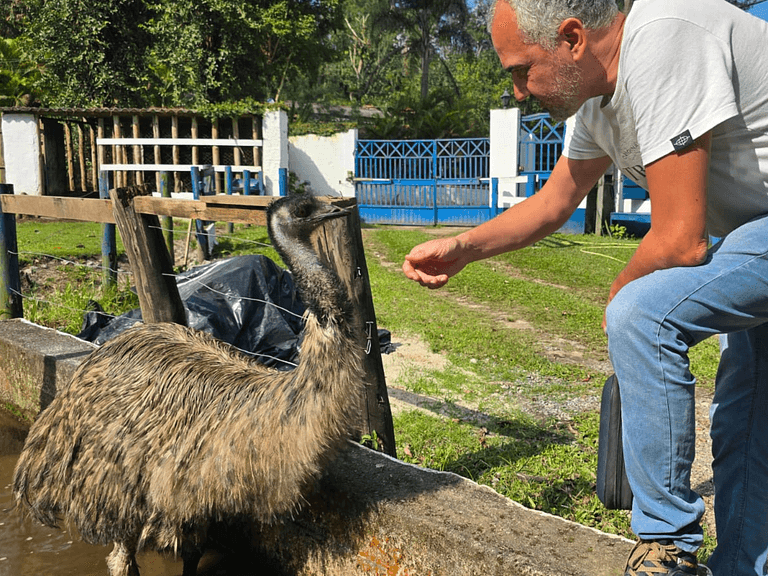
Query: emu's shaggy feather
[[164, 430]]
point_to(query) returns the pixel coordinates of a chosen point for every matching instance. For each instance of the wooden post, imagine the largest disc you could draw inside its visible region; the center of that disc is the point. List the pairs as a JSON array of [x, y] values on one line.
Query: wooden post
[[175, 152], [148, 255], [81, 157], [70, 157], [236, 136], [340, 243], [10, 283], [101, 150], [138, 153], [599, 204], [165, 192], [118, 153], [195, 149], [156, 149], [94, 159], [215, 151], [256, 135], [108, 239]]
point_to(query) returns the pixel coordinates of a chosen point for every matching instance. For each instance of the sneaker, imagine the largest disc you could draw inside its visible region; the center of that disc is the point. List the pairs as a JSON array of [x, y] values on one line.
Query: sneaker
[[660, 558]]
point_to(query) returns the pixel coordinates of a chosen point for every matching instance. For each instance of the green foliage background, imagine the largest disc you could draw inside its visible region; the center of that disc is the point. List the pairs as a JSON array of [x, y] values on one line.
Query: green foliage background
[[427, 65]]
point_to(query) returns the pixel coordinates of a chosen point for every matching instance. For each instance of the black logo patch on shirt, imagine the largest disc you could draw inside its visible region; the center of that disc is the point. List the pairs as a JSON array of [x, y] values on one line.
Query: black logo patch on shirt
[[682, 140]]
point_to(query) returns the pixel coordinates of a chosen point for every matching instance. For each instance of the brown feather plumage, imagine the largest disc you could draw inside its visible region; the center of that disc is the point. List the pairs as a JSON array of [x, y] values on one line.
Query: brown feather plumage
[[164, 430]]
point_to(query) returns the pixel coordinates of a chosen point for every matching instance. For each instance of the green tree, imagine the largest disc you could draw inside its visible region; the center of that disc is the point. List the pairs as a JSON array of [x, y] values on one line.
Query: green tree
[[226, 50], [12, 17], [175, 52], [369, 54], [19, 75], [91, 53], [427, 29]]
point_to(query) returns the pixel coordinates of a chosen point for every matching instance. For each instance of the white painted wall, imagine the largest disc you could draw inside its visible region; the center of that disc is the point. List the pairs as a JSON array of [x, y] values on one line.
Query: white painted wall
[[504, 163], [21, 151], [325, 162], [275, 150]]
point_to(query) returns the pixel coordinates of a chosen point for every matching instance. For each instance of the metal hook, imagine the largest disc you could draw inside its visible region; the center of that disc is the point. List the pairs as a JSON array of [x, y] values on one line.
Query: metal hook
[[369, 330]]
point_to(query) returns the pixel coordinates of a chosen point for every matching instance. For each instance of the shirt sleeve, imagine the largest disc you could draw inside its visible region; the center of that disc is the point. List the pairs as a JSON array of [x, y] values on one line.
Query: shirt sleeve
[[679, 79], [578, 143]]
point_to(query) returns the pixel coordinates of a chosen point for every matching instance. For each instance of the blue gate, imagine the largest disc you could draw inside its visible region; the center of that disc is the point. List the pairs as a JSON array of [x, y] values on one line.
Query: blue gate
[[425, 182], [429, 182], [541, 143]]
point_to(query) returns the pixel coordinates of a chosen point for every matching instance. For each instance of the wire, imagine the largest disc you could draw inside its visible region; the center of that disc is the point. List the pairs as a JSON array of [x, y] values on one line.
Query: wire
[[240, 297]]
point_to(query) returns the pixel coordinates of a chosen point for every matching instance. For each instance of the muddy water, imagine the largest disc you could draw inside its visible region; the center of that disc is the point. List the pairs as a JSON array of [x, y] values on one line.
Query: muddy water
[[29, 549]]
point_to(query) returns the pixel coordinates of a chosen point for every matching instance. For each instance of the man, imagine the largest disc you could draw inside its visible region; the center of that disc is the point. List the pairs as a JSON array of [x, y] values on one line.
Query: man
[[676, 95]]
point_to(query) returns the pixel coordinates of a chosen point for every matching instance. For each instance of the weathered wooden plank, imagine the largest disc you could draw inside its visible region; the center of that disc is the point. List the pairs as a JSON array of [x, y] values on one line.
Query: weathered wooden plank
[[81, 209], [219, 208], [200, 210], [339, 243], [150, 262]]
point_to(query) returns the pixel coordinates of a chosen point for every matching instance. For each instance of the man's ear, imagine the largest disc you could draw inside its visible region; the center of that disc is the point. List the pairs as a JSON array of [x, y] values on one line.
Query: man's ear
[[573, 32]]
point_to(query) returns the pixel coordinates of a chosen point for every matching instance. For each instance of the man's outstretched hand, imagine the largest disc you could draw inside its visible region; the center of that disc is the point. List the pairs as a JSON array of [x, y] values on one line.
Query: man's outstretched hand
[[432, 263]]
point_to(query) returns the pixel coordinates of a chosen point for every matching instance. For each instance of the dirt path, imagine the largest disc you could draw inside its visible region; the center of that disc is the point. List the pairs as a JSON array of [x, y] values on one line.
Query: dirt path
[[413, 357]]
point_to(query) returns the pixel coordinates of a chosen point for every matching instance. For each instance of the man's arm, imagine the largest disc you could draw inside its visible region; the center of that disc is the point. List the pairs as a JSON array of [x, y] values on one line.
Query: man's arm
[[432, 263], [677, 184]]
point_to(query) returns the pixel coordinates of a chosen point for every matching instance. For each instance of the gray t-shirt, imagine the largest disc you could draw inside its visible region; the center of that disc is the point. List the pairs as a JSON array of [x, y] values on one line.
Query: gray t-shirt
[[687, 67]]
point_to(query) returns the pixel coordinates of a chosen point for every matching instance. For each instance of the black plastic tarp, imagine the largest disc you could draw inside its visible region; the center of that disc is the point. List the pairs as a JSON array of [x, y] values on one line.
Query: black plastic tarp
[[247, 301]]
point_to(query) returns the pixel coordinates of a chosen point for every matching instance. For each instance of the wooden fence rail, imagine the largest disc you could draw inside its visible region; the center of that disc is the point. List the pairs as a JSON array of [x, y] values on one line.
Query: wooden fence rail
[[339, 242]]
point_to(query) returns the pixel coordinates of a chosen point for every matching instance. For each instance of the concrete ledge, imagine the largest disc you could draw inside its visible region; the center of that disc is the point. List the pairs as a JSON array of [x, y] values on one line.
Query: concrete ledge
[[370, 514], [34, 362]]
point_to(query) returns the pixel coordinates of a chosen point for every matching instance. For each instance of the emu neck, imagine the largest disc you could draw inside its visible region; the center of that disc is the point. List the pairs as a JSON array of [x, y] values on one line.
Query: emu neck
[[319, 287]]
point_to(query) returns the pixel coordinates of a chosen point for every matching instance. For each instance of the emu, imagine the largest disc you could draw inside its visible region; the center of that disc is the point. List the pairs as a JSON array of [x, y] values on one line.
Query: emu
[[164, 431]]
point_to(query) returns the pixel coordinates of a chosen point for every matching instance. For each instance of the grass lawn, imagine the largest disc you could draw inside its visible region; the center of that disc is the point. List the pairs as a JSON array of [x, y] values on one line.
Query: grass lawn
[[513, 404]]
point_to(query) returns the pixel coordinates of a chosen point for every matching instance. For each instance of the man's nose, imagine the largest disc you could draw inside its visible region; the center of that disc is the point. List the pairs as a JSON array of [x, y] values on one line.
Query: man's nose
[[521, 91]]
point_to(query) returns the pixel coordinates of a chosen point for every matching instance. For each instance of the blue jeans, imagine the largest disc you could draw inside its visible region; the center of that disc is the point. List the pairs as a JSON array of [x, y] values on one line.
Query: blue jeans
[[652, 322]]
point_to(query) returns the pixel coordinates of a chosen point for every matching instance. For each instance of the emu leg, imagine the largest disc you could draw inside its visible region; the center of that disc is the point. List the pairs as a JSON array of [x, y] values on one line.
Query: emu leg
[[122, 560]]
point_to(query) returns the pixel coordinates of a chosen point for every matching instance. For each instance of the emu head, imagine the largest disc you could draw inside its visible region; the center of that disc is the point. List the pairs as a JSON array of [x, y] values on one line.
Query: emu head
[[290, 221], [293, 218]]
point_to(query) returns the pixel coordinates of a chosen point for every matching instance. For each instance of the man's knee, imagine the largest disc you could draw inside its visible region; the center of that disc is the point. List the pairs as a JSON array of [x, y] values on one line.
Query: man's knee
[[621, 314]]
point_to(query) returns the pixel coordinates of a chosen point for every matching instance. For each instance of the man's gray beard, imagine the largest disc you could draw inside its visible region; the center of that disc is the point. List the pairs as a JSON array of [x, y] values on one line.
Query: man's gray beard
[[567, 84]]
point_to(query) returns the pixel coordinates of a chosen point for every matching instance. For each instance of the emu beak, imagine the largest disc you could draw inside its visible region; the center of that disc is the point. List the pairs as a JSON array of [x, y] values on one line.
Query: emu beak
[[329, 212]]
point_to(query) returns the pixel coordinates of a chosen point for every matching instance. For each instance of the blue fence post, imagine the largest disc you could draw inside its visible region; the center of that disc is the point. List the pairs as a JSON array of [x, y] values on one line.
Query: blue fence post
[[108, 238], [246, 182], [197, 191], [10, 284], [434, 182], [530, 185], [494, 197], [283, 181], [167, 221], [229, 182]]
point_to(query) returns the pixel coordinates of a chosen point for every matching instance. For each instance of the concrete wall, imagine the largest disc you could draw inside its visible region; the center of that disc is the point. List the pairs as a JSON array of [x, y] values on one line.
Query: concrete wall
[[370, 514], [35, 362], [504, 162], [325, 163], [21, 153], [275, 153]]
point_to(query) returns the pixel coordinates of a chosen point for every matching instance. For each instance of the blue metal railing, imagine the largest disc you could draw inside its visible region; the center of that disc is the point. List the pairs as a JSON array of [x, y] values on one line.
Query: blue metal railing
[[541, 144], [466, 158]]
